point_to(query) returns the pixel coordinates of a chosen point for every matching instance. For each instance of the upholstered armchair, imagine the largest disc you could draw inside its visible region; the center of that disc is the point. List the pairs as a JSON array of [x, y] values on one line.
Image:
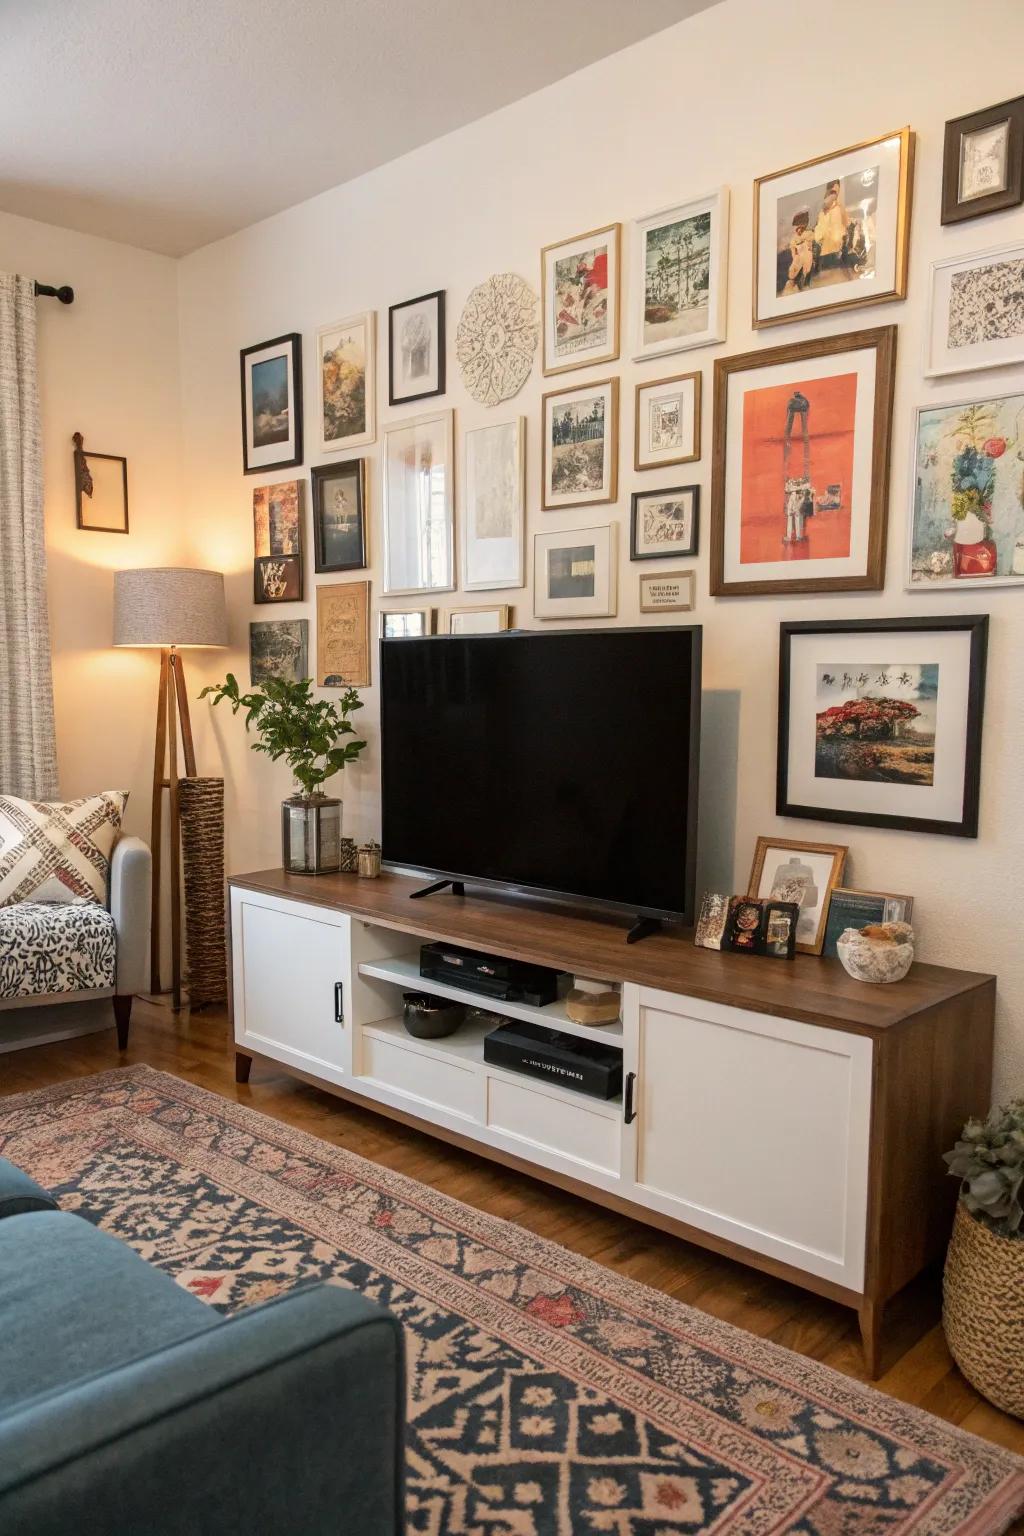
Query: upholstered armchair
[[65, 968]]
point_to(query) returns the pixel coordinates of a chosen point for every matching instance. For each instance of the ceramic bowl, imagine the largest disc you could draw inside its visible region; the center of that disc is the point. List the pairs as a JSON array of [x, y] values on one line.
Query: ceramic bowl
[[430, 1018], [872, 960]]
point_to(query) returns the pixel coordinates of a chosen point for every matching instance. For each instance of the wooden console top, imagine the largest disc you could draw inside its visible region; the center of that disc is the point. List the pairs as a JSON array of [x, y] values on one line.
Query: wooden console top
[[814, 990]]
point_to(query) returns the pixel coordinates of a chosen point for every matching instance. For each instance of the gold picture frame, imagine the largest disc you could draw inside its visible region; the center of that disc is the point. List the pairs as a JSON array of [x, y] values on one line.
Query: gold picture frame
[[583, 358], [828, 879], [610, 441], [889, 247], [696, 379], [402, 631], [502, 613]]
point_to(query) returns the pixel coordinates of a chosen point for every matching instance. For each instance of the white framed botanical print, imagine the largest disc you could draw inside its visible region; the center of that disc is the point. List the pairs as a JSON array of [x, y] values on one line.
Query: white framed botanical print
[[494, 505], [346, 357], [580, 445], [574, 573], [667, 591], [579, 284], [667, 421], [975, 312], [407, 623], [833, 232], [483, 619], [679, 276], [419, 504]]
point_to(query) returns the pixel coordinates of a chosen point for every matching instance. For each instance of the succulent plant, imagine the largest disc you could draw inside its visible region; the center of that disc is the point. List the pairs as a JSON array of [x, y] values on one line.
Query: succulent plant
[[989, 1161]]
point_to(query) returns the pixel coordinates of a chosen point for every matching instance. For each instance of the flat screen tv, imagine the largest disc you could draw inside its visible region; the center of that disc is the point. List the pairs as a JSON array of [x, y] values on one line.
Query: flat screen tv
[[561, 764]]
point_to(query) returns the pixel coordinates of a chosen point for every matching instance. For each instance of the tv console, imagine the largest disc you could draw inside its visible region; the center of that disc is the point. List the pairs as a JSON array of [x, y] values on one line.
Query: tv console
[[782, 1114]]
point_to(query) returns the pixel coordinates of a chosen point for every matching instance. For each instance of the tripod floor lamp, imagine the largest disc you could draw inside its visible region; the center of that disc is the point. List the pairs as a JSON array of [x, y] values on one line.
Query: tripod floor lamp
[[168, 608]]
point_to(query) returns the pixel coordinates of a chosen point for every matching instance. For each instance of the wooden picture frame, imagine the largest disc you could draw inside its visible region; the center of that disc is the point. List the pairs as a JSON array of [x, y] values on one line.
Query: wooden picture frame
[[890, 160], [409, 556], [644, 455], [437, 366], [394, 623], [757, 886], [609, 487], [607, 238], [811, 779], [790, 371], [1010, 192], [502, 619], [96, 477], [889, 908], [276, 428], [325, 550]]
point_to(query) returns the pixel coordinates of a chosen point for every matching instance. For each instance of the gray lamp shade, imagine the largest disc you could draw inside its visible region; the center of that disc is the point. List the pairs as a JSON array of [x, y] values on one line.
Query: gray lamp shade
[[169, 605]]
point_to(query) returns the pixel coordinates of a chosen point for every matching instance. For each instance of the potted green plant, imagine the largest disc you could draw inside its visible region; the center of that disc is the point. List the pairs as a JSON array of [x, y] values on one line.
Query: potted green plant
[[983, 1289], [310, 734]]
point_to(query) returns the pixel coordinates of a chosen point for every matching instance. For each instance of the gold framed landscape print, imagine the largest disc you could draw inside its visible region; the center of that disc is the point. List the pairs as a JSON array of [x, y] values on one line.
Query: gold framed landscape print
[[800, 466], [667, 421], [579, 284], [833, 232], [580, 445]]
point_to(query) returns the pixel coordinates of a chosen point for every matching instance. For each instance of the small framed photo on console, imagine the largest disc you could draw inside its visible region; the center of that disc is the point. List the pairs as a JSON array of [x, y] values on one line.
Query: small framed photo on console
[[856, 909], [803, 873]]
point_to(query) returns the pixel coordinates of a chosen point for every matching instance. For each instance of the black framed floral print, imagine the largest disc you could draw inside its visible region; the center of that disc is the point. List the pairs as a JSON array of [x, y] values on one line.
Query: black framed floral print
[[880, 722]]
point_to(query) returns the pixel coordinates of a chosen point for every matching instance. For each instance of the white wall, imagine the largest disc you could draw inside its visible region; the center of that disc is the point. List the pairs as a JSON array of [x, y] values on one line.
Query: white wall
[[108, 368], [740, 90]]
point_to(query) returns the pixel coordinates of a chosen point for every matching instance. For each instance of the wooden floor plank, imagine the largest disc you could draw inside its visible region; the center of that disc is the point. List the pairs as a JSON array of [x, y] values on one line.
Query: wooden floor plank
[[918, 1368]]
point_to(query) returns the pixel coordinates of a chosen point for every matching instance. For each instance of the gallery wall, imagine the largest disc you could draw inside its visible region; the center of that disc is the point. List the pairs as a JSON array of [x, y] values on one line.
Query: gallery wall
[[733, 93], [108, 368]]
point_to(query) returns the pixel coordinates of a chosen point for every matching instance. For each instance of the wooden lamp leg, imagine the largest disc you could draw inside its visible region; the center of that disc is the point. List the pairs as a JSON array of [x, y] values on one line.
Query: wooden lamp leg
[[160, 752], [177, 708]]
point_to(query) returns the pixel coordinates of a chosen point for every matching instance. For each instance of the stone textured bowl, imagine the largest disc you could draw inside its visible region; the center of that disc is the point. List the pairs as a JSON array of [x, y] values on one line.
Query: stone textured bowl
[[872, 960]]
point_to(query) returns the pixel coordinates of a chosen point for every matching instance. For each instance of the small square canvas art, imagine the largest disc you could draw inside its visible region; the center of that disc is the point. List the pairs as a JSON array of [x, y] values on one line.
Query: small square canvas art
[[277, 579], [276, 519], [278, 648]]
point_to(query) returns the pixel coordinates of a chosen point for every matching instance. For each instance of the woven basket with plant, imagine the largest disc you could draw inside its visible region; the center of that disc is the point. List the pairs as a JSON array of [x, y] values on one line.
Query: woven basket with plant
[[983, 1290]]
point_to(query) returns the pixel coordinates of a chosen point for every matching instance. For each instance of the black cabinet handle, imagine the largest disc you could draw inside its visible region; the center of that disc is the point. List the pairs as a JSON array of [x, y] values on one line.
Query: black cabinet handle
[[339, 995], [630, 1113]]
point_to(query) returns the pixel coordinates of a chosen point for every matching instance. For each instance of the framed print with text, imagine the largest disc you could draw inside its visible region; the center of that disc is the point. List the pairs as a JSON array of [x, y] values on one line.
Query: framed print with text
[[667, 592], [800, 473], [579, 284]]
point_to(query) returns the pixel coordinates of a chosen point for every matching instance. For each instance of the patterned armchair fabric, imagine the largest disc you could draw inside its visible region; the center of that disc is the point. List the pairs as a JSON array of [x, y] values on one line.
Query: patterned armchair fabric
[[53, 947]]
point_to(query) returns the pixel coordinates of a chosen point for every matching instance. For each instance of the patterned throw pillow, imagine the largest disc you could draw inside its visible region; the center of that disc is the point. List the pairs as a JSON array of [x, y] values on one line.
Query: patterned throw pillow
[[52, 852]]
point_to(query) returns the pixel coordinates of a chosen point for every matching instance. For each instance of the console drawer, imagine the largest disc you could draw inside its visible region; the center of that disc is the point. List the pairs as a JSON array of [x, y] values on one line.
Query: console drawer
[[587, 1132], [425, 1078]]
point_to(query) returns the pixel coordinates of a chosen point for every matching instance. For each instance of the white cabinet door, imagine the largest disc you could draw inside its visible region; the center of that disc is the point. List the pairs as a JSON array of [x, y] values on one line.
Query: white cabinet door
[[291, 976], [755, 1129]]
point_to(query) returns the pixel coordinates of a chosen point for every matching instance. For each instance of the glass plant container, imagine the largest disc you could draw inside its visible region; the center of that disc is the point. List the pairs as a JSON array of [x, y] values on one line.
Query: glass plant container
[[311, 835]]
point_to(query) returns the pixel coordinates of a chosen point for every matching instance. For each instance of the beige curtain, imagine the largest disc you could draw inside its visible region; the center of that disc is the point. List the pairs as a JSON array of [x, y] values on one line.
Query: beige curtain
[[28, 758]]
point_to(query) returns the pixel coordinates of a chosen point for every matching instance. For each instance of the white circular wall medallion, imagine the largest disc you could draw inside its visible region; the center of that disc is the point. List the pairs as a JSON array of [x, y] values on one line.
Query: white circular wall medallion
[[497, 338]]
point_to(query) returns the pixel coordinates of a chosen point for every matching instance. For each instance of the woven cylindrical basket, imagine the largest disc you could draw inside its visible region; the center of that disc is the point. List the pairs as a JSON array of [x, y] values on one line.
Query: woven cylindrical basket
[[983, 1310], [202, 845]]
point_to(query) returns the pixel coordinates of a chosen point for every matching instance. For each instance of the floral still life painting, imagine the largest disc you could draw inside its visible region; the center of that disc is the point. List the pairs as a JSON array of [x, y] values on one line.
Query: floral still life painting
[[968, 512], [580, 286], [345, 353]]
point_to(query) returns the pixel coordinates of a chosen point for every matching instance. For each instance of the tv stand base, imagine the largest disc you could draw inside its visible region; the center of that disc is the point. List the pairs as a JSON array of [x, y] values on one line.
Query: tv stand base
[[643, 928], [458, 889]]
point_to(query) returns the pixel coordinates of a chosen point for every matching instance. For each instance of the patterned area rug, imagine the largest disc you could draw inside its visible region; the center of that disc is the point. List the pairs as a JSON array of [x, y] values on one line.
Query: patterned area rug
[[548, 1396]]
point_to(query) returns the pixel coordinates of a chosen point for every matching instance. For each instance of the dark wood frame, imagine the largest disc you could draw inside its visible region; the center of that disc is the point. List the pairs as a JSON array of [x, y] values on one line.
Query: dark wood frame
[[442, 349], [904, 200], [977, 626], [318, 475], [953, 210], [674, 378], [295, 341], [84, 455], [613, 431], [838, 853], [257, 596], [668, 490], [882, 340]]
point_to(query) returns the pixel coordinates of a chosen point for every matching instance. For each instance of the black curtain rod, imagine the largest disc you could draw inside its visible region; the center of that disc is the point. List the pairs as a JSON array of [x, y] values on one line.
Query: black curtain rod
[[46, 291]]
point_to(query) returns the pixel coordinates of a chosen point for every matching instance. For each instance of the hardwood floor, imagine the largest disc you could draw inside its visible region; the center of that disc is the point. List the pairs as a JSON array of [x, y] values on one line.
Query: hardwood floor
[[917, 1367]]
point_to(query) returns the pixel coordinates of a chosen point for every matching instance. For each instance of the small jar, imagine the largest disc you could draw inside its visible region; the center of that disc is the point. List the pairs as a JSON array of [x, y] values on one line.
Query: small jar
[[369, 860], [349, 856]]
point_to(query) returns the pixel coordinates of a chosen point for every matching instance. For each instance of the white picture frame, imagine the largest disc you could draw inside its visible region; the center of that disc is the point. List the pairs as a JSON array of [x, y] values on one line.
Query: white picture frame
[[668, 254], [579, 466], [356, 339], [575, 573], [480, 619], [960, 311], [493, 521], [419, 504]]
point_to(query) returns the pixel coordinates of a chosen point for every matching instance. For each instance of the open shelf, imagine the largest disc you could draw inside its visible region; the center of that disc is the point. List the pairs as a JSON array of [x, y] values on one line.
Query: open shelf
[[404, 971]]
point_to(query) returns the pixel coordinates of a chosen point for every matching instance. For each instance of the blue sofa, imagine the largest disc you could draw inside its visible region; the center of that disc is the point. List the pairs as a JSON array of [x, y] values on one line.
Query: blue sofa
[[128, 1406]]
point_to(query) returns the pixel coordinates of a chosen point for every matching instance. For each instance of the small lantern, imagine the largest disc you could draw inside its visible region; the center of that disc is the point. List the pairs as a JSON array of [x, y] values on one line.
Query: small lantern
[[369, 860]]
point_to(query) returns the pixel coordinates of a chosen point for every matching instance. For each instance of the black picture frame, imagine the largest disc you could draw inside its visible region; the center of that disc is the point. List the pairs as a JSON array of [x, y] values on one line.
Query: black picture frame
[[974, 624], [319, 476], [442, 348], [661, 492], [294, 341], [953, 210], [292, 564]]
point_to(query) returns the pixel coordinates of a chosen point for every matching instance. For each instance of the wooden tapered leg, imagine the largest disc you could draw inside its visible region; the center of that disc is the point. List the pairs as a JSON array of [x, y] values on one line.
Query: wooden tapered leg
[[243, 1066], [174, 831], [156, 839], [869, 1316], [187, 748], [122, 1018]]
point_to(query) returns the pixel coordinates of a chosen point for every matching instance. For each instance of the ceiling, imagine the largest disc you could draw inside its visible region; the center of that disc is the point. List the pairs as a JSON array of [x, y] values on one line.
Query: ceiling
[[170, 123]]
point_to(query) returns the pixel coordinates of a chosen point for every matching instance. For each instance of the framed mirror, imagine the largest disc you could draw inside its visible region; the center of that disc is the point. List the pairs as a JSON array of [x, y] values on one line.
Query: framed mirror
[[419, 504]]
